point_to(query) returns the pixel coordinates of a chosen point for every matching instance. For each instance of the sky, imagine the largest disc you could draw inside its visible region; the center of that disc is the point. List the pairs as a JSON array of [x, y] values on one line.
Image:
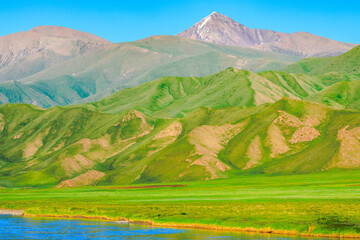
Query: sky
[[122, 21]]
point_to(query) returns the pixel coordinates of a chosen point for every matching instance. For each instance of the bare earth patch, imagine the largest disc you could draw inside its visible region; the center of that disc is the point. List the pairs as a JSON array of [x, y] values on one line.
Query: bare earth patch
[[209, 141], [212, 165], [276, 141], [76, 164], [288, 120], [305, 131], [165, 137], [172, 131], [89, 178], [19, 135], [304, 134], [133, 114], [32, 147], [349, 152], [87, 143], [254, 153], [2, 122]]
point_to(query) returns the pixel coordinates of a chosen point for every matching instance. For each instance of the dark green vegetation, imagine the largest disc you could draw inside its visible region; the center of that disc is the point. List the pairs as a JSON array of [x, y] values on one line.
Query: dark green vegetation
[[326, 202], [118, 66]]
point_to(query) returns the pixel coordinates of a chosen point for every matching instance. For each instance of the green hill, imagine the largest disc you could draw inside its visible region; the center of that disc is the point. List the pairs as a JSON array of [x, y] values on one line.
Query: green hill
[[342, 73], [77, 146], [176, 96], [347, 63], [343, 95], [232, 122], [96, 75]]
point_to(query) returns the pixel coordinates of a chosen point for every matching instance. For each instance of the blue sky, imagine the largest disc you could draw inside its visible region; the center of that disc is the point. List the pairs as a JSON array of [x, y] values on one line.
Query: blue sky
[[120, 21]]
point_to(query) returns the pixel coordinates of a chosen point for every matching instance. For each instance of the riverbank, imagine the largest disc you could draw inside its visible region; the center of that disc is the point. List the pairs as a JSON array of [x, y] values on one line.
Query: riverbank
[[11, 212], [201, 226]]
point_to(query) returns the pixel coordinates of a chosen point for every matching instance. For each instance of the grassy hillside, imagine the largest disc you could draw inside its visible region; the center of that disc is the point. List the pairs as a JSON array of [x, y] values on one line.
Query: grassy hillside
[[343, 95], [96, 75], [347, 63], [342, 75], [176, 96], [77, 146]]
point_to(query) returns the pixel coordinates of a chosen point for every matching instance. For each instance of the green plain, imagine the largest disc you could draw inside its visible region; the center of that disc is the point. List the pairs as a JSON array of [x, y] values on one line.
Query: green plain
[[325, 202]]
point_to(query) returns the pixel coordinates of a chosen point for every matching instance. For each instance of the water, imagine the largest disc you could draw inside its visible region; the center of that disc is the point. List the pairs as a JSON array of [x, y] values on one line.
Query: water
[[40, 228]]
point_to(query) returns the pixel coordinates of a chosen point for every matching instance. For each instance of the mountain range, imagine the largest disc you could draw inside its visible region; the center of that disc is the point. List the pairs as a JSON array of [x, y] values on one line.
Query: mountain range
[[133, 123], [233, 122], [220, 29], [118, 66], [25, 53], [50, 65]]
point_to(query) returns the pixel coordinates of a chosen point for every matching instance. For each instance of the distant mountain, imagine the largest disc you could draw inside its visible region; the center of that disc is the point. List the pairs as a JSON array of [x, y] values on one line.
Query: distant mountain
[[220, 29], [25, 53], [95, 75], [74, 146]]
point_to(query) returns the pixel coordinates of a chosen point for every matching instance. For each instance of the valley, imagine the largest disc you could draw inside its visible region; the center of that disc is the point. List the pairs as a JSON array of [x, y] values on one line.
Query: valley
[[220, 127]]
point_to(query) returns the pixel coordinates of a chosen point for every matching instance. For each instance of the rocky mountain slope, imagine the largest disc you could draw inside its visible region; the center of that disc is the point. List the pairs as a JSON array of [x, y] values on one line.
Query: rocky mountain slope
[[220, 29], [25, 53], [98, 74]]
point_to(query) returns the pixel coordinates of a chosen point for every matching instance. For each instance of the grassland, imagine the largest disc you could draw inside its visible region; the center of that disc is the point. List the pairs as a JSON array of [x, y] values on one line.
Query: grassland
[[324, 203]]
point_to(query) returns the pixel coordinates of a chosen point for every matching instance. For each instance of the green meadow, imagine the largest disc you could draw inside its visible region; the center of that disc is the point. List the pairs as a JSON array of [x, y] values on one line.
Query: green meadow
[[317, 203]]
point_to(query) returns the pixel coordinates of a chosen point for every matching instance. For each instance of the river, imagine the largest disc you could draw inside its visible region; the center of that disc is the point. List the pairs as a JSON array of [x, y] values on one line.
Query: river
[[15, 227]]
